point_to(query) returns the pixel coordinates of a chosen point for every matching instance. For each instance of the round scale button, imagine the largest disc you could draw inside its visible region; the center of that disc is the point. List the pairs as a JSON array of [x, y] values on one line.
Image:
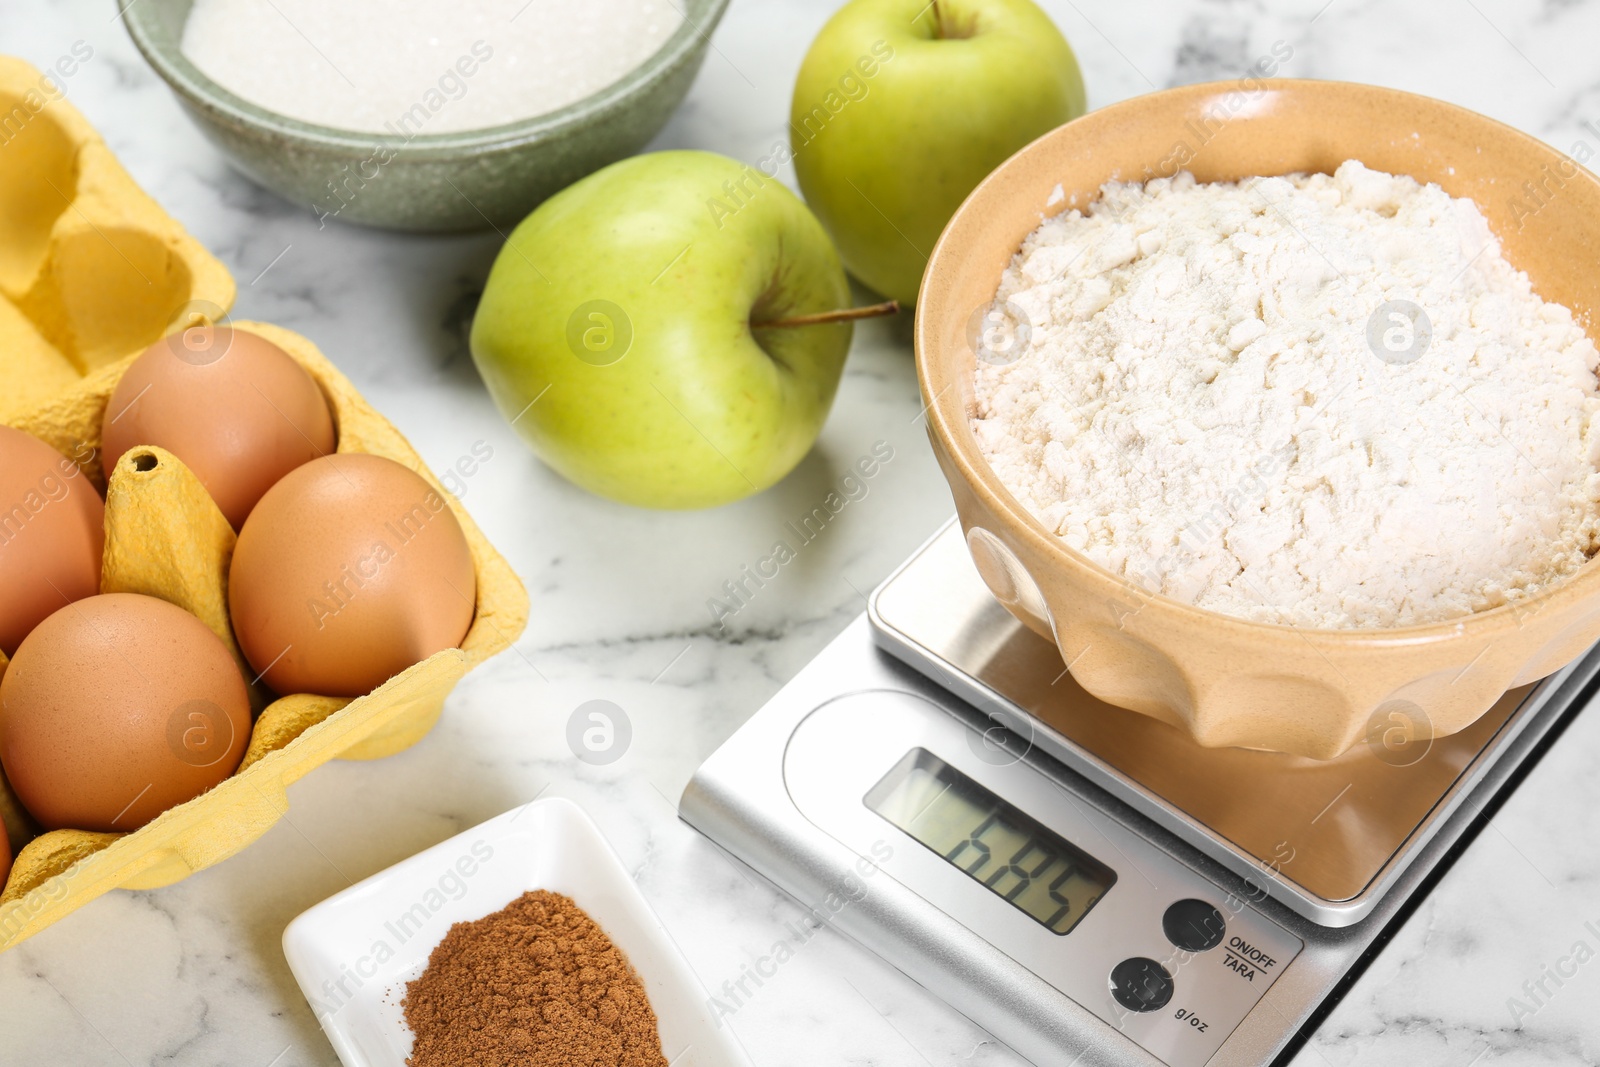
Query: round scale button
[[1193, 925], [1141, 984]]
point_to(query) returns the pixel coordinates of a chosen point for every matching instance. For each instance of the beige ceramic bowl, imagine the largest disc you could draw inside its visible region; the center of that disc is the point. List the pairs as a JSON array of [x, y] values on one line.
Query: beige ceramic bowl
[[1224, 680]]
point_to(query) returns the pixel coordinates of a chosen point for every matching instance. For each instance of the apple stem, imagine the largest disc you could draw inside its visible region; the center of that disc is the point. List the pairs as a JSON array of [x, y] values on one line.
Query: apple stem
[[954, 29], [871, 311]]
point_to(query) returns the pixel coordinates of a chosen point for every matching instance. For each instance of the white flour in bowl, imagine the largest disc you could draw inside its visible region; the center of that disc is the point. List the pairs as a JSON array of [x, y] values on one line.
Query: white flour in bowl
[[1209, 390]]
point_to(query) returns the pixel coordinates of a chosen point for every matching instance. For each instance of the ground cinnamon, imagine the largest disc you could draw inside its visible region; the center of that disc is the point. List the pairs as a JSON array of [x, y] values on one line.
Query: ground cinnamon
[[536, 984]]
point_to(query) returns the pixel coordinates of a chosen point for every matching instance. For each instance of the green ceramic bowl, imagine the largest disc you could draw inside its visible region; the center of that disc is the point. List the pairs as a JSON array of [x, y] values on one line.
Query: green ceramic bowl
[[451, 181]]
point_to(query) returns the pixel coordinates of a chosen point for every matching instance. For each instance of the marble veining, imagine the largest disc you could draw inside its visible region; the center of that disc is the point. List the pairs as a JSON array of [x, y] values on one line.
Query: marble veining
[[194, 974]]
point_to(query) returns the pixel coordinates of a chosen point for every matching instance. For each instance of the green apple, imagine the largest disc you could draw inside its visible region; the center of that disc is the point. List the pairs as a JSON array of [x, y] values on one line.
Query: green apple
[[621, 330], [903, 106]]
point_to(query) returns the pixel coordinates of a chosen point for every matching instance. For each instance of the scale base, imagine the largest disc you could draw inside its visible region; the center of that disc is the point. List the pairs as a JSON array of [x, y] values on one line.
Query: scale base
[[745, 798]]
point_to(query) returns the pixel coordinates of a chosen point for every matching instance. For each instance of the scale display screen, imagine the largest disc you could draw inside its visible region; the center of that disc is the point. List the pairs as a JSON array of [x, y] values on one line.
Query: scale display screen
[[995, 843]]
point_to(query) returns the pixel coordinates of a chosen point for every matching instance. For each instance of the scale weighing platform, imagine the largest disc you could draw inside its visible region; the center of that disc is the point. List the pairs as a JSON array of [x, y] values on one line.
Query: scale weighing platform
[[1085, 882]]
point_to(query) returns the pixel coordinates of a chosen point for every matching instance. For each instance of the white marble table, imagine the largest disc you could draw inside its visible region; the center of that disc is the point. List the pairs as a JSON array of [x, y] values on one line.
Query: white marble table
[[194, 974]]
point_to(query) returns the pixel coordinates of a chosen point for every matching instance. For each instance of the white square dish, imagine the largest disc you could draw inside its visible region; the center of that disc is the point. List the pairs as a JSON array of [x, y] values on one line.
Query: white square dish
[[354, 953]]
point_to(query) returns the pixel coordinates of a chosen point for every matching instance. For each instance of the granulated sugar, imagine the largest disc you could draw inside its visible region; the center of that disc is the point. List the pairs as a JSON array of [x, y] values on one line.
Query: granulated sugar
[[1195, 404], [413, 67]]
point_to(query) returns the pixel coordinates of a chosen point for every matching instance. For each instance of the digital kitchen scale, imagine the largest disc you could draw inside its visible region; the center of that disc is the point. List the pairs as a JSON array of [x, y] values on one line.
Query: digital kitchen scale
[[1084, 882]]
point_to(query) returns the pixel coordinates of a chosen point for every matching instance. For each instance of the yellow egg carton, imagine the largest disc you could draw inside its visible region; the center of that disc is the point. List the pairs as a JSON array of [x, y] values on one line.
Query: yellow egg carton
[[92, 271]]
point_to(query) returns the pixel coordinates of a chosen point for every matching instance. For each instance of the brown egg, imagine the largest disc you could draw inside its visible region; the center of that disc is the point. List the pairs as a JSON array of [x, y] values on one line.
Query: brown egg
[[52, 534], [117, 708], [351, 569], [236, 408]]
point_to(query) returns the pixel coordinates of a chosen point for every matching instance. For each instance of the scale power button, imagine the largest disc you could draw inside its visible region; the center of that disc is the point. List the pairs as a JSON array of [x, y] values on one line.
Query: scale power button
[[1141, 984], [1193, 925]]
